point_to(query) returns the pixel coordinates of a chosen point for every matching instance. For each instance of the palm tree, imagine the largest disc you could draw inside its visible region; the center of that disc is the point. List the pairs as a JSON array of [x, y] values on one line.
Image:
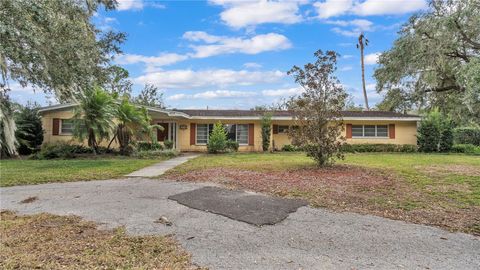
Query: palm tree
[[133, 123], [361, 44], [94, 117]]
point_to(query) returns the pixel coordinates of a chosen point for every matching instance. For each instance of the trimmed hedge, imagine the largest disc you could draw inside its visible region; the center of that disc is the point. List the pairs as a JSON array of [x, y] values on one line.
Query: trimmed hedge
[[361, 148], [232, 146], [467, 135], [148, 146], [466, 149], [290, 148]]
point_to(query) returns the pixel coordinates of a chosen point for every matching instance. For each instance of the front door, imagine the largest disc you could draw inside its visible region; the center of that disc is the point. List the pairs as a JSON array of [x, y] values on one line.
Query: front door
[[169, 132]]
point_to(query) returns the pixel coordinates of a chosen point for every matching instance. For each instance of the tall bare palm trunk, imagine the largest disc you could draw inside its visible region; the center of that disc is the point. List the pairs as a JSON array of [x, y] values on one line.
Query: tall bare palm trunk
[[361, 44]]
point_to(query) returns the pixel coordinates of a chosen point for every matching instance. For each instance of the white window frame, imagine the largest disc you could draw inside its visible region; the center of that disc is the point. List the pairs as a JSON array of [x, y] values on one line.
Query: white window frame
[[61, 129], [208, 133], [371, 137], [196, 134], [236, 133]]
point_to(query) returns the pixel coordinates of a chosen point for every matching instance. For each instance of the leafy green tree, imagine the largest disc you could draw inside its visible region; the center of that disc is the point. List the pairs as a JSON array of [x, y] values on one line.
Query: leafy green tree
[[29, 131], [435, 133], [266, 130], [52, 45], [314, 109], [435, 62], [217, 142], [150, 96], [117, 81], [94, 117]]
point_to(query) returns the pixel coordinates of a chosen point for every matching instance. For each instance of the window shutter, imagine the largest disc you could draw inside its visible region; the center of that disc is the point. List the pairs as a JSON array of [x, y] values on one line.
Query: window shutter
[[56, 126], [275, 129], [192, 133], [250, 134], [349, 131], [391, 131]]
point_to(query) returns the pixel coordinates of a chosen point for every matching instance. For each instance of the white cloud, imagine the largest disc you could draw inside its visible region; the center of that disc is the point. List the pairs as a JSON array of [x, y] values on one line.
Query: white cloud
[[332, 8], [137, 5], [252, 65], [238, 14], [346, 68], [370, 86], [186, 78], [152, 62], [357, 26], [347, 56], [392, 7], [225, 45], [129, 5], [282, 92], [213, 95], [372, 58]]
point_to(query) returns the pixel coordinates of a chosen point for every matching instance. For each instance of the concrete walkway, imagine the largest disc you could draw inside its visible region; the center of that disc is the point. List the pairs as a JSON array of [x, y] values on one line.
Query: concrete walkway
[[307, 239], [161, 167]]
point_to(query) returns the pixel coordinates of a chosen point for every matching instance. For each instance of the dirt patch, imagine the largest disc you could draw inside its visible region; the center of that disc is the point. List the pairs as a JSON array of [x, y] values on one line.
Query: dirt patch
[[29, 199], [349, 188], [442, 170], [47, 241]]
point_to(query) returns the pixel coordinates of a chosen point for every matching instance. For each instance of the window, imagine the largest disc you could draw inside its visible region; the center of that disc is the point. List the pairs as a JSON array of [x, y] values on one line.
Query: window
[[202, 133], [242, 134], [282, 129], [66, 126], [380, 131], [234, 132]]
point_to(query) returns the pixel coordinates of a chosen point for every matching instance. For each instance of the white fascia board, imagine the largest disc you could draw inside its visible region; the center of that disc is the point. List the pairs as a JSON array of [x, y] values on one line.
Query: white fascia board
[[411, 119], [56, 107]]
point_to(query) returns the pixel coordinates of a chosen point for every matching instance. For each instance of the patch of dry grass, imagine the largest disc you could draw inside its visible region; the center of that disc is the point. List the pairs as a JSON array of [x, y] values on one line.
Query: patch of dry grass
[[47, 241], [439, 190]]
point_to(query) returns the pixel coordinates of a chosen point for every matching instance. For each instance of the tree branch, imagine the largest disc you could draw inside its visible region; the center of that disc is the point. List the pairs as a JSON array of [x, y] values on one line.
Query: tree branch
[[445, 89], [475, 45]]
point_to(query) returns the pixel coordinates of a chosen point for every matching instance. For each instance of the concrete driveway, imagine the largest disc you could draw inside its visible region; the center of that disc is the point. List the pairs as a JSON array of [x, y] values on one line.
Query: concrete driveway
[[307, 239]]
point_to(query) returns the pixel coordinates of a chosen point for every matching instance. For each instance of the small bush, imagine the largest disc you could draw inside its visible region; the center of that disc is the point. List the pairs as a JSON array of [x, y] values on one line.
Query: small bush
[[148, 146], [61, 150], [168, 144], [289, 148], [466, 149], [169, 153], [365, 148], [467, 135], [218, 139], [232, 146]]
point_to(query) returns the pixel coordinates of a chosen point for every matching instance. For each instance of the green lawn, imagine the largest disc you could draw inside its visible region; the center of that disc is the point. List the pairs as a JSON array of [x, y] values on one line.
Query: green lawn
[[436, 189], [25, 172]]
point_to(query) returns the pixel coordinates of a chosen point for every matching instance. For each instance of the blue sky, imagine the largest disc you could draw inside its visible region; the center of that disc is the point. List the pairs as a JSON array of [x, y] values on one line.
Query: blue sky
[[234, 54]]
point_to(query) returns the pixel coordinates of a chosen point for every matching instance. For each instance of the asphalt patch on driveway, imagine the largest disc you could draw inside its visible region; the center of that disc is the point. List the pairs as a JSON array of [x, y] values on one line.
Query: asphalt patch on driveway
[[251, 208]]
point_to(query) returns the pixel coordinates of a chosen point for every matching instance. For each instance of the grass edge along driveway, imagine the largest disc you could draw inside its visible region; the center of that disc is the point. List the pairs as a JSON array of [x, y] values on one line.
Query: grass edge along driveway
[[15, 172]]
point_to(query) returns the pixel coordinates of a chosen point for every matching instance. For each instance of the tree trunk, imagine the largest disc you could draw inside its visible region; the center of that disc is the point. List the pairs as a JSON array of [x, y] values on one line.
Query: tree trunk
[[360, 42]]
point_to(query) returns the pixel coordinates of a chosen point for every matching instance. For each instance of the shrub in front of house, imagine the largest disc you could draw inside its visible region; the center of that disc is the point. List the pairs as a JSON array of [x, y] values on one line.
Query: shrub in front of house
[[435, 133], [232, 146], [467, 135], [365, 148], [290, 148], [168, 144], [169, 153], [466, 149], [148, 146], [61, 150], [217, 142]]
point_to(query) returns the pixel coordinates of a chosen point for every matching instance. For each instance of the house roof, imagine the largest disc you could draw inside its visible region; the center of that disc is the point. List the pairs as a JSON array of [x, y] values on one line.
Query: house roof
[[253, 115]]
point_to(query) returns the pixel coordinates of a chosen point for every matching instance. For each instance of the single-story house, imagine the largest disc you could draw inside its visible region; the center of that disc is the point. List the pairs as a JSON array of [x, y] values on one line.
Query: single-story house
[[189, 129]]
